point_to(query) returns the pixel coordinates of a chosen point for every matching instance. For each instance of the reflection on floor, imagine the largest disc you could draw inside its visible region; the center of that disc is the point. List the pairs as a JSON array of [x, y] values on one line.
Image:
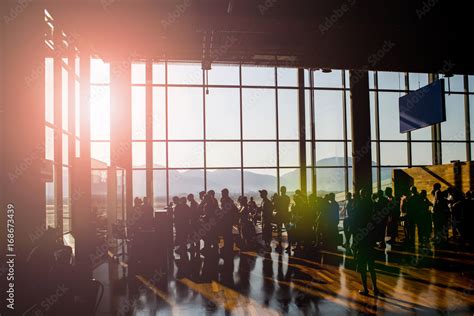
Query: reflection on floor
[[273, 283]]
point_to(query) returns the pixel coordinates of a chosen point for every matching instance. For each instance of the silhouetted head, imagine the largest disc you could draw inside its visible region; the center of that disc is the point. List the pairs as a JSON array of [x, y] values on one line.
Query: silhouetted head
[[263, 193], [388, 191], [175, 199], [190, 197], [225, 192], [283, 190], [364, 193], [332, 197], [137, 201], [211, 193], [380, 193], [436, 186], [146, 200], [202, 194], [423, 193], [243, 200], [413, 190], [182, 200], [348, 195]]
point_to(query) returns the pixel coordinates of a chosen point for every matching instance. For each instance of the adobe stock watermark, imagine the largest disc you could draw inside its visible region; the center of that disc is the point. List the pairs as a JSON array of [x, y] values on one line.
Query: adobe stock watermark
[[16, 10]]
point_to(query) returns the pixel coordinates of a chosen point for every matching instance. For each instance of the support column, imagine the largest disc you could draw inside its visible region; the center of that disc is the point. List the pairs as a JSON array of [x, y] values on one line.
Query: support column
[[361, 141], [302, 129], [435, 133], [81, 209], [121, 124]]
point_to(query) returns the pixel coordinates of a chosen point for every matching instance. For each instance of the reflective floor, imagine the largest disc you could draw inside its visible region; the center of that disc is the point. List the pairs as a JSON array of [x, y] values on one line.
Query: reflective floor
[[419, 281]]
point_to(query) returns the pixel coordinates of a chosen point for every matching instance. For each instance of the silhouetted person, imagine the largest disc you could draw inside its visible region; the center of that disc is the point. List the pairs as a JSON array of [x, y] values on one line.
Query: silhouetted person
[[181, 218], [413, 206], [247, 227], [393, 215], [267, 214], [347, 214], [381, 209], [195, 224], [456, 202], [282, 216], [364, 241], [134, 225], [211, 209], [229, 215], [440, 214], [425, 220], [333, 221], [146, 219], [254, 210]]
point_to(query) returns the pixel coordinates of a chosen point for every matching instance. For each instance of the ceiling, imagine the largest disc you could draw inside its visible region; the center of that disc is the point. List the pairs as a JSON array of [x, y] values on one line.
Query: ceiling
[[403, 35]]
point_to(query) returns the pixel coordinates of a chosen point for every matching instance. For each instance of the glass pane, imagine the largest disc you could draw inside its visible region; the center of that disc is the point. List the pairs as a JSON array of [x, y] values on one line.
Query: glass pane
[[307, 100], [185, 113], [330, 180], [289, 154], [454, 127], [159, 155], [65, 148], [391, 80], [139, 183], [417, 80], [258, 76], [328, 114], [223, 154], [159, 113], [78, 108], [288, 125], [393, 154], [228, 178], [99, 193], [185, 74], [139, 154], [290, 178], [373, 134], [158, 73], [49, 89], [422, 134], [100, 113], [50, 209], [389, 113], [258, 179], [100, 154], [349, 115], [421, 154], [386, 177], [455, 83], [259, 117], [453, 151], [186, 154], [138, 73], [49, 143], [183, 182], [223, 75], [138, 113], [471, 83], [159, 188], [259, 154], [287, 77], [223, 114], [329, 154], [471, 115], [65, 101], [331, 79], [100, 71], [66, 209]]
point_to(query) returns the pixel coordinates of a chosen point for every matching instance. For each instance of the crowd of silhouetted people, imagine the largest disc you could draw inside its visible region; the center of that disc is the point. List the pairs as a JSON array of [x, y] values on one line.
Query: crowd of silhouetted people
[[312, 222]]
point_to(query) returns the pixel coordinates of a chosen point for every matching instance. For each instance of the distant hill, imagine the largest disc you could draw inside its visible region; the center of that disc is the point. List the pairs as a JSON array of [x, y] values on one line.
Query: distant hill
[[329, 179]]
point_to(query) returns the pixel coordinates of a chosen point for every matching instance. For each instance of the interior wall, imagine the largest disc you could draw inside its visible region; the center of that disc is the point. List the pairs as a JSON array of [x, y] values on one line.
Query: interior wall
[[23, 136], [460, 176]]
